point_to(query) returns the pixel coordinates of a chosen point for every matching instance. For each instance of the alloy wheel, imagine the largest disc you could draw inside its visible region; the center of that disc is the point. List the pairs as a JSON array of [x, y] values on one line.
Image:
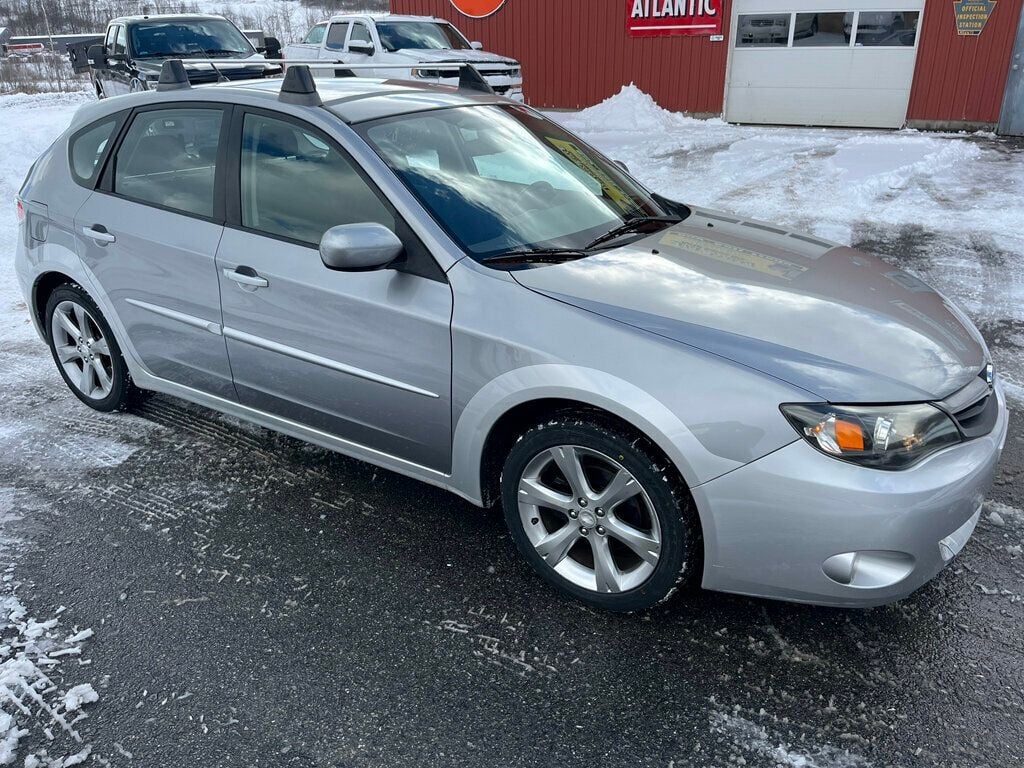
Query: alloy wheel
[[82, 350], [589, 519]]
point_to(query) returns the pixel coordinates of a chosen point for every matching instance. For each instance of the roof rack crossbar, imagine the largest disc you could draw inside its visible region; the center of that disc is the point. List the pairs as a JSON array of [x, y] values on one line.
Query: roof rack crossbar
[[470, 78]]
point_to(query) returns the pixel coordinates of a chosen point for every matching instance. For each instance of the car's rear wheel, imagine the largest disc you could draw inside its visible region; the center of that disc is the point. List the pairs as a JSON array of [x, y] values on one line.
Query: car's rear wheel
[[599, 514], [86, 352]]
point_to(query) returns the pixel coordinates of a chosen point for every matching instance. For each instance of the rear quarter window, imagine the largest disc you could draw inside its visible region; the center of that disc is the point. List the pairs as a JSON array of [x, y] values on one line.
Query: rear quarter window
[[88, 147]]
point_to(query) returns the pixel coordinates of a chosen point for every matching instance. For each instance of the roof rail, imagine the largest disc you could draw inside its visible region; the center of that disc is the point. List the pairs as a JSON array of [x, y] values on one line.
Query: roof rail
[[299, 87], [173, 76]]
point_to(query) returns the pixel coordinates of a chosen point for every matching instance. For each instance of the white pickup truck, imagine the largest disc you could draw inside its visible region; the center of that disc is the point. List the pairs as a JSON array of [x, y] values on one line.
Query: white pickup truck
[[418, 41]]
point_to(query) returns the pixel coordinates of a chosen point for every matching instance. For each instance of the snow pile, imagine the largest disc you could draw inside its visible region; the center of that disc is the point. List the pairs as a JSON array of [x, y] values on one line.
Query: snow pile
[[631, 110]]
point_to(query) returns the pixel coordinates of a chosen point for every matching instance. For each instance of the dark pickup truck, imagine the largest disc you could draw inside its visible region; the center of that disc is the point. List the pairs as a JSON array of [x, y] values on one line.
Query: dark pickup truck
[[129, 57]]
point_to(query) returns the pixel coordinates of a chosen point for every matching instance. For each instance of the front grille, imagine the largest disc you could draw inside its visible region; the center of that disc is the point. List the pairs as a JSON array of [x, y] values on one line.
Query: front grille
[[201, 76]]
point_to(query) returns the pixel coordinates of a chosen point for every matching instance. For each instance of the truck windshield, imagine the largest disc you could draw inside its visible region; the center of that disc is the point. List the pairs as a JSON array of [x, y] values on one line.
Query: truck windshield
[[504, 179], [396, 35], [202, 38]]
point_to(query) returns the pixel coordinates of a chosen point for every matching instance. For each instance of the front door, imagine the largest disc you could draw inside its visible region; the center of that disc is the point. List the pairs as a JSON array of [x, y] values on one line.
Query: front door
[[1011, 119], [150, 235], [365, 356], [360, 37]]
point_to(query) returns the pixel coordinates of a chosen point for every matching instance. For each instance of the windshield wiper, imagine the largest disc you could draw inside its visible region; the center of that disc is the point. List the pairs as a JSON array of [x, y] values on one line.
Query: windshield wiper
[[225, 52], [630, 226], [528, 255]]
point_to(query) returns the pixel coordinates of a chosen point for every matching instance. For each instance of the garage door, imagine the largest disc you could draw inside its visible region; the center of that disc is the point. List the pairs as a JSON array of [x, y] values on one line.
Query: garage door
[[796, 62]]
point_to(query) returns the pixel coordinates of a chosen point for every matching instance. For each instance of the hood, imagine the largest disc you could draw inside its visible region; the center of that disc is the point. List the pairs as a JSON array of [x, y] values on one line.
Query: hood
[[432, 56], [259, 64], [836, 322]]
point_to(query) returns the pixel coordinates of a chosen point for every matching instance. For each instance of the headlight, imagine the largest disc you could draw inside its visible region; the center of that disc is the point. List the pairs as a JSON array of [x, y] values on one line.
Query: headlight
[[878, 436]]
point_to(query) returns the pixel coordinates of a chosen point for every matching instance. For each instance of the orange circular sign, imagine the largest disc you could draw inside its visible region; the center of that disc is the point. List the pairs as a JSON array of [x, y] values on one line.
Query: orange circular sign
[[477, 8]]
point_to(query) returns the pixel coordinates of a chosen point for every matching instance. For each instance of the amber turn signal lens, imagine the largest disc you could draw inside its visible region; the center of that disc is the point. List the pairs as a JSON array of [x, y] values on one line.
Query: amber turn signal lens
[[849, 436]]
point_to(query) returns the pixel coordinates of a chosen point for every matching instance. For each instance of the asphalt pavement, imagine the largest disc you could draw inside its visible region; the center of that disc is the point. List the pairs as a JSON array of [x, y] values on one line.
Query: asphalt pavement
[[260, 602]]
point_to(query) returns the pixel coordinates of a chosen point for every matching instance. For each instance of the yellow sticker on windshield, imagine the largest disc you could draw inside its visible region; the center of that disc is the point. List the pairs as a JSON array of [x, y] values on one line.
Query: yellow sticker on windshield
[[732, 254], [578, 157]]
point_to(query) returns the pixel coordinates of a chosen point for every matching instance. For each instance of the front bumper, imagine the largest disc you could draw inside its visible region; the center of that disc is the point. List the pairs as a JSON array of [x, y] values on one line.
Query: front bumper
[[510, 88], [771, 526]]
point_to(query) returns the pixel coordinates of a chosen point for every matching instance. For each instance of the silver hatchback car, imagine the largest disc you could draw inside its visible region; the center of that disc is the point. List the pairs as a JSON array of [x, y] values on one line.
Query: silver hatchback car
[[451, 286]]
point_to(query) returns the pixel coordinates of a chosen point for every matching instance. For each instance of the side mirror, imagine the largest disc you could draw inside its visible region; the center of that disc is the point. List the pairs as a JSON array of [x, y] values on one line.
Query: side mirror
[[621, 165], [359, 247], [97, 56], [476, 45], [360, 47], [272, 47]]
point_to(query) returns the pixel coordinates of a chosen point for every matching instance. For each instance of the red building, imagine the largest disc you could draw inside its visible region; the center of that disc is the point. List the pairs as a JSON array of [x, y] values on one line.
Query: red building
[[877, 63]]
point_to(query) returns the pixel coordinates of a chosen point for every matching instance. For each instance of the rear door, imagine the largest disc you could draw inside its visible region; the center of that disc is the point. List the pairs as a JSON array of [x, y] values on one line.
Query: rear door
[[149, 234], [365, 356]]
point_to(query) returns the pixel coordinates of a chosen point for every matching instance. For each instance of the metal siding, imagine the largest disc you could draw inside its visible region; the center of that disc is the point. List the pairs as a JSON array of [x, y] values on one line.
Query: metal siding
[[962, 78], [576, 53]]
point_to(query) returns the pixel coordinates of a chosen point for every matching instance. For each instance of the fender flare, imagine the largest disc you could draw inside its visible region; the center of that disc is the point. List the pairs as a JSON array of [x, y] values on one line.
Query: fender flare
[[568, 382]]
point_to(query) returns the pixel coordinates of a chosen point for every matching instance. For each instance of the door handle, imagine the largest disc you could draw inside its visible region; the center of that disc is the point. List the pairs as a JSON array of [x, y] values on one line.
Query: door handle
[[98, 233], [246, 276]]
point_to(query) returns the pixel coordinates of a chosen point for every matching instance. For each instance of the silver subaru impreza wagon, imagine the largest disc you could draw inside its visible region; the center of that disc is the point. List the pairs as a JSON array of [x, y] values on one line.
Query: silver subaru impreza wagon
[[449, 285]]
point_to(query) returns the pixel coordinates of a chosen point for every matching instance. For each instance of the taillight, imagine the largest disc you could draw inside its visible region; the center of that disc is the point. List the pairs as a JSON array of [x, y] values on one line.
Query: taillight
[[21, 209]]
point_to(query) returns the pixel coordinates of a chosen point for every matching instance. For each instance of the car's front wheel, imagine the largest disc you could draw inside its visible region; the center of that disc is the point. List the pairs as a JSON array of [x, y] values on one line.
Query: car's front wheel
[[599, 514], [85, 350]]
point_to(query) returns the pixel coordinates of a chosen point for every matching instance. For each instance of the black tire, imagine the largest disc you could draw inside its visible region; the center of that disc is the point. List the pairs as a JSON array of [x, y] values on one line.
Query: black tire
[[680, 555], [123, 393]]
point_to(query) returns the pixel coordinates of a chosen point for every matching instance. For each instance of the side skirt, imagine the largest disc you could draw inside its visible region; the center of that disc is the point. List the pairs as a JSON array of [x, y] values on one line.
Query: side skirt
[[147, 380]]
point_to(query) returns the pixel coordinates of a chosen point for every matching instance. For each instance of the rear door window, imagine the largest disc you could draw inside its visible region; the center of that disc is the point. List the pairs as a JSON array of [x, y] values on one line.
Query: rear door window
[[336, 36], [169, 158]]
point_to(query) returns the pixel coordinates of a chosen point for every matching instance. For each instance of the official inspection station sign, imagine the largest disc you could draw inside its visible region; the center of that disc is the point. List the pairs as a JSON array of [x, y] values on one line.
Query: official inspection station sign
[[972, 15], [648, 18]]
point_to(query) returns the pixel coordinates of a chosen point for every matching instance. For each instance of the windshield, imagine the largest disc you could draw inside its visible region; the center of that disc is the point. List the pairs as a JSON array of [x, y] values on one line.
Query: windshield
[[205, 38], [503, 179], [396, 35]]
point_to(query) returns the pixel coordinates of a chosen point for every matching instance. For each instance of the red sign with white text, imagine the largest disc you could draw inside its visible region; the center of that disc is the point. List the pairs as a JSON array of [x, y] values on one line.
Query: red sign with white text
[[647, 18]]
